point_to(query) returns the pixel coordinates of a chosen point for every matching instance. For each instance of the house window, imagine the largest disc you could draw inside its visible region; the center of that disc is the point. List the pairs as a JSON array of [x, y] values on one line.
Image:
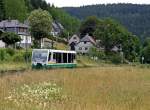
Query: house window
[[85, 42], [22, 30], [80, 48], [86, 48], [74, 38]]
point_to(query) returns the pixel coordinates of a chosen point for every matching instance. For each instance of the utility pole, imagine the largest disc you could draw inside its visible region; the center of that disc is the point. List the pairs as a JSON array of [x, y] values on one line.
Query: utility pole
[[26, 56], [68, 38], [52, 45], [121, 53], [142, 60]]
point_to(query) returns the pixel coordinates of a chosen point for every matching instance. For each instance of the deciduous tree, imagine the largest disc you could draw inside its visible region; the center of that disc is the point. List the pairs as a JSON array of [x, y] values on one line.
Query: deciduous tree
[[88, 26], [112, 34], [10, 38], [40, 24]]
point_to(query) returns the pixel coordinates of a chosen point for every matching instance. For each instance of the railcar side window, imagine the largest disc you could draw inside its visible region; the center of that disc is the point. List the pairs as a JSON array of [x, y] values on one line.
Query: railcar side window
[[58, 58], [54, 55], [49, 57], [74, 56], [65, 58], [71, 57]]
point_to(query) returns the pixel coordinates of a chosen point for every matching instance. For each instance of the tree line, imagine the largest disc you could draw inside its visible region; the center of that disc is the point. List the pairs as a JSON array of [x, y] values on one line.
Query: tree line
[[133, 16]]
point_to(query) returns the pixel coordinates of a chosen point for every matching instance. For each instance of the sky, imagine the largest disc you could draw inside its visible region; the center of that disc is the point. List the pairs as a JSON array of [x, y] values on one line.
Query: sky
[[75, 3]]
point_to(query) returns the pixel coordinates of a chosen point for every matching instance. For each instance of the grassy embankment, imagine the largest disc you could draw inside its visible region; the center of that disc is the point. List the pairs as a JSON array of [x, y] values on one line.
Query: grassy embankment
[[82, 61], [102, 88], [16, 62], [13, 66]]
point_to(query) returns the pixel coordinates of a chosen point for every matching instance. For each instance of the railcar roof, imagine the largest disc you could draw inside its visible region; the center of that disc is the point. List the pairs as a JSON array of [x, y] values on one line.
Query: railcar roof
[[60, 51]]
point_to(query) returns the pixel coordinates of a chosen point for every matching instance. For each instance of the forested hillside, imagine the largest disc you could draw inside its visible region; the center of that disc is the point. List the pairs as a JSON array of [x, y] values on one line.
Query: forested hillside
[[136, 18], [20, 9]]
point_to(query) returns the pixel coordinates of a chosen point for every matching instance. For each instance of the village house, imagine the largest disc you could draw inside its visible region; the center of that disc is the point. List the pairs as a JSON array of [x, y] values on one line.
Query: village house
[[2, 44], [21, 29], [81, 45], [73, 41], [85, 44], [57, 28], [75, 38]]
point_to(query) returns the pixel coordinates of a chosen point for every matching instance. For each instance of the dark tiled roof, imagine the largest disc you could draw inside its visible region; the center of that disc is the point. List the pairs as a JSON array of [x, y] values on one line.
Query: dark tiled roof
[[88, 38], [57, 26], [12, 23], [1, 30]]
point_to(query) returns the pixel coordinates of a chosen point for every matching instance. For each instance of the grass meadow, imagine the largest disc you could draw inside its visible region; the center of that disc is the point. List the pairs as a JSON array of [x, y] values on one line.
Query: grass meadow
[[98, 88], [13, 66]]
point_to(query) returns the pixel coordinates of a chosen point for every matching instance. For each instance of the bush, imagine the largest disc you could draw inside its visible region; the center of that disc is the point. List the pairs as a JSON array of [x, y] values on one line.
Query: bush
[[116, 58], [27, 56], [22, 56], [94, 52], [9, 51], [18, 57], [15, 56], [2, 54], [146, 54]]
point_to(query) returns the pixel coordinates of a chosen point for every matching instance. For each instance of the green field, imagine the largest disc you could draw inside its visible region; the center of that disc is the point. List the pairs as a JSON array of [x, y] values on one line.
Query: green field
[[13, 66], [98, 88]]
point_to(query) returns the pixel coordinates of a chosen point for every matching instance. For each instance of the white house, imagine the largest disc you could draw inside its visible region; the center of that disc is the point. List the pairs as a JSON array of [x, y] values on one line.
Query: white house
[[85, 44], [2, 44], [75, 38], [22, 29]]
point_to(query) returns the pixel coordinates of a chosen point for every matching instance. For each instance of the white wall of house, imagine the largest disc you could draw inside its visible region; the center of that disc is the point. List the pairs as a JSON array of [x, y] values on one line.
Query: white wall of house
[[2, 44], [83, 47], [74, 39], [26, 41]]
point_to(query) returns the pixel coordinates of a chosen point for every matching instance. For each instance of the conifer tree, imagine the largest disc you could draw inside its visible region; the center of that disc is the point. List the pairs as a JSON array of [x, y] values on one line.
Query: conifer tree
[[2, 10]]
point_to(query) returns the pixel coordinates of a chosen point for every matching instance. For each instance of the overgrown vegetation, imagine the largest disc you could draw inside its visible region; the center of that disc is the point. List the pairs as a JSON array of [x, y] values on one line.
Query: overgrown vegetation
[[42, 93], [14, 60], [11, 55], [117, 88]]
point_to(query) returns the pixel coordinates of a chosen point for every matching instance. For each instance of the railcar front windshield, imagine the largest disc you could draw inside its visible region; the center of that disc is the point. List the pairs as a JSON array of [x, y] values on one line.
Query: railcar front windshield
[[39, 55]]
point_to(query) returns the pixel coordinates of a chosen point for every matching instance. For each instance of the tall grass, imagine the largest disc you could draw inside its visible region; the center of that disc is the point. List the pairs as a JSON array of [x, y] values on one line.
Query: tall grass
[[103, 88], [13, 66]]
